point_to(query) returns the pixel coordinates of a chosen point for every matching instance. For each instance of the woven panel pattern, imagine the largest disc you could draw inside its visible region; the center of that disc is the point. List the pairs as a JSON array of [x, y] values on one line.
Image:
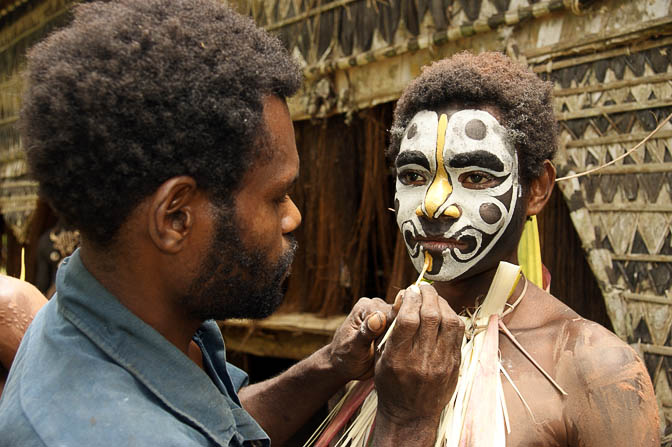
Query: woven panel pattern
[[623, 213], [317, 30]]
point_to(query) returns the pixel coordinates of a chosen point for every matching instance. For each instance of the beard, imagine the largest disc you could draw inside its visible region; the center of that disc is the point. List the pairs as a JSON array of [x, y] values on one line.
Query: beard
[[236, 282]]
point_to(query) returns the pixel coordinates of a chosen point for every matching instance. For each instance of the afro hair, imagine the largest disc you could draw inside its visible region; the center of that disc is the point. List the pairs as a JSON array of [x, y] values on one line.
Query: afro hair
[[133, 93], [523, 100]]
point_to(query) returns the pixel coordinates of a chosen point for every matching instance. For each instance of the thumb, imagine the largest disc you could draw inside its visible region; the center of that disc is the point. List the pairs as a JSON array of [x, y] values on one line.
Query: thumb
[[373, 326]]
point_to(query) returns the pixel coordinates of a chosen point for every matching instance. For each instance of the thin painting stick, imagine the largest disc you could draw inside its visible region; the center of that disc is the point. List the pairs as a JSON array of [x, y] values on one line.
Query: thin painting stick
[[427, 265]]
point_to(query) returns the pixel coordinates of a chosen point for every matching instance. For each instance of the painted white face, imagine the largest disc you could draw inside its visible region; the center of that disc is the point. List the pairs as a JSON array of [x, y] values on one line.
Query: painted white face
[[456, 191]]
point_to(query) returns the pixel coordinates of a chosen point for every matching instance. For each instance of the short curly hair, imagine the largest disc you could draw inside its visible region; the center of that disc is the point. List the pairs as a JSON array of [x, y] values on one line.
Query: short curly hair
[[525, 102], [133, 93]]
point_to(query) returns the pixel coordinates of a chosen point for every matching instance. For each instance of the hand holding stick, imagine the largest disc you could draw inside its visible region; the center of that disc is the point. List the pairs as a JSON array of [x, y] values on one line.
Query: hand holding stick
[[427, 265]]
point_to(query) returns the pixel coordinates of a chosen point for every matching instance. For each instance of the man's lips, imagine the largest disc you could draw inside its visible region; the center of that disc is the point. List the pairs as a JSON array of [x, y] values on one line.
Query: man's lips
[[438, 244]]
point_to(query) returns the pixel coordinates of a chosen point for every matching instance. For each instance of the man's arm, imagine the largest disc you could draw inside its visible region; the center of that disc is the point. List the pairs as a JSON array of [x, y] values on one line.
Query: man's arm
[[611, 402], [281, 405], [415, 375]]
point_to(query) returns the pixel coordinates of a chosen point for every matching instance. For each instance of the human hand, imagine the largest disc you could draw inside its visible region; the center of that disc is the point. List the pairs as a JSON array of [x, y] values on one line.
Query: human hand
[[418, 369], [351, 352]]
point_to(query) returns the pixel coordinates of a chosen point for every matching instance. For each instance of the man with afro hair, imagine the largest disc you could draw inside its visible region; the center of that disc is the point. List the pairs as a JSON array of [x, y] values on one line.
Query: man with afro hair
[[159, 130], [472, 142]]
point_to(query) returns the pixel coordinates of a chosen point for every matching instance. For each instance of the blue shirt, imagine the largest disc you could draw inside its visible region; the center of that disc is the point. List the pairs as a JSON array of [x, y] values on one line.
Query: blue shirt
[[90, 373]]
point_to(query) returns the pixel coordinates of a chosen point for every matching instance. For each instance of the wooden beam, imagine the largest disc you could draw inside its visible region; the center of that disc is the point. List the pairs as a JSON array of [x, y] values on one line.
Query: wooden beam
[[268, 343], [641, 258], [592, 42], [623, 138], [292, 336], [601, 87], [629, 208], [618, 108], [656, 349], [644, 168], [647, 298], [293, 322]]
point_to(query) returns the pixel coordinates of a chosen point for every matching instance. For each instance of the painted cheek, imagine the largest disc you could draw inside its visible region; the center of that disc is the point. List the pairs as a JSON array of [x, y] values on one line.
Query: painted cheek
[[407, 199], [490, 213]]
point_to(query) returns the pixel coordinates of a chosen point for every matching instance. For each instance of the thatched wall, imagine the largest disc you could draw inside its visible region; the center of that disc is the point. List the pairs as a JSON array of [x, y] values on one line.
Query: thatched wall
[[22, 24], [607, 102]]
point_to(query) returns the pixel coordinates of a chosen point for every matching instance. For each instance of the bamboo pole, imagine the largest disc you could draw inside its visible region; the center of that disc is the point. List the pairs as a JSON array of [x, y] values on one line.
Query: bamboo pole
[[633, 48], [310, 13], [646, 168], [618, 108], [629, 208], [11, 7], [602, 87], [656, 349], [8, 121], [599, 41], [641, 257], [646, 298], [623, 138], [35, 28]]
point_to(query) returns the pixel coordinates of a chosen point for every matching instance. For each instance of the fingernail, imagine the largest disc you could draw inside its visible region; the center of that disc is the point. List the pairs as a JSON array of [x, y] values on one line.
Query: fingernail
[[414, 289], [397, 300], [375, 322]]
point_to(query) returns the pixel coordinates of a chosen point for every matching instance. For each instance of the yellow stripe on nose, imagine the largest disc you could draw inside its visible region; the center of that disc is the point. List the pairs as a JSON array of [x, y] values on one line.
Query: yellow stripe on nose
[[440, 189]]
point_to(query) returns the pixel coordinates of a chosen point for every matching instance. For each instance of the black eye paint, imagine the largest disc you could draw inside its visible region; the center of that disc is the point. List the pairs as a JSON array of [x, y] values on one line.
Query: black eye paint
[[482, 159], [411, 158]]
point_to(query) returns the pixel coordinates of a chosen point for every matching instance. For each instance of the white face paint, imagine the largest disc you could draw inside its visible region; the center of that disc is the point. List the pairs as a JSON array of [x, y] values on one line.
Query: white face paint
[[456, 191]]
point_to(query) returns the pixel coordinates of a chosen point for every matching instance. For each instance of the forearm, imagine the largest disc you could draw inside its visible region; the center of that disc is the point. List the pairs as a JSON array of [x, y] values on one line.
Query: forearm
[[281, 405]]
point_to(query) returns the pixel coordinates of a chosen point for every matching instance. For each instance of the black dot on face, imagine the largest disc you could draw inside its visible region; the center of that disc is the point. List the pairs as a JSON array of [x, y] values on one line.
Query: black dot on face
[[490, 213], [475, 129], [412, 131]]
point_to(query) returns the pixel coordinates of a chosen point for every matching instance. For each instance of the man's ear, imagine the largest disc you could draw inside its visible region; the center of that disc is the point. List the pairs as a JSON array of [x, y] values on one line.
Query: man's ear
[[540, 189], [171, 213]]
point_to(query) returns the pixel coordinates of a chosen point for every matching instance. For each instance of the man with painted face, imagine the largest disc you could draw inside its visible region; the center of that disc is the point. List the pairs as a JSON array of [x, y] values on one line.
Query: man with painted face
[[159, 130], [471, 145]]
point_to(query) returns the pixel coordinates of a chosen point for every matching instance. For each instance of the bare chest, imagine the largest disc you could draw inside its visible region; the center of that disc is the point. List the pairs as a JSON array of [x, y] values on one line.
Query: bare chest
[[535, 407]]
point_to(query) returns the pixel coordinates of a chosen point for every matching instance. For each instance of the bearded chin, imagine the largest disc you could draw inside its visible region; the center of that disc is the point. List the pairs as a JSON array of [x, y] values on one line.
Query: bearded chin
[[236, 282]]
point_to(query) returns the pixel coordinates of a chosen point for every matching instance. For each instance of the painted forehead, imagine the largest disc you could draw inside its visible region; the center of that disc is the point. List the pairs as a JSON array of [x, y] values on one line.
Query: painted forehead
[[472, 138]]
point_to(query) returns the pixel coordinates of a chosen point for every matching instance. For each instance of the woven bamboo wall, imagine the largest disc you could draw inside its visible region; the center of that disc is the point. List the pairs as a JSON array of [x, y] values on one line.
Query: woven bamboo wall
[[606, 103]]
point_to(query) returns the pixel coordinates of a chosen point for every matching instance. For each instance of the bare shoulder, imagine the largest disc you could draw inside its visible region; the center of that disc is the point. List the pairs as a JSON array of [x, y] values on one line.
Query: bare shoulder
[[19, 302], [598, 356], [611, 399], [21, 294]]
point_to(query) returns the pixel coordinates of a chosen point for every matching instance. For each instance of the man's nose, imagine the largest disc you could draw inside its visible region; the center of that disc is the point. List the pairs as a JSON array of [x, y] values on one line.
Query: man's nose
[[291, 218], [437, 194]]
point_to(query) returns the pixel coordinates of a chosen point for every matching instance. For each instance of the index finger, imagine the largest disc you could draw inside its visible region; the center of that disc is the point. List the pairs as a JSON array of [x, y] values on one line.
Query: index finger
[[407, 322]]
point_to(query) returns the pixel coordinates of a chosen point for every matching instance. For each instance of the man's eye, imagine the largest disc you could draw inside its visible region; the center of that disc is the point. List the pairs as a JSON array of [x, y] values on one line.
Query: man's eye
[[412, 178], [478, 180]]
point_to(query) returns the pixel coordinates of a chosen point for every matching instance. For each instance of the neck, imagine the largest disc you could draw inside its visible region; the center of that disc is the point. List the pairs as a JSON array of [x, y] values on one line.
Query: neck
[[462, 293], [137, 285]]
